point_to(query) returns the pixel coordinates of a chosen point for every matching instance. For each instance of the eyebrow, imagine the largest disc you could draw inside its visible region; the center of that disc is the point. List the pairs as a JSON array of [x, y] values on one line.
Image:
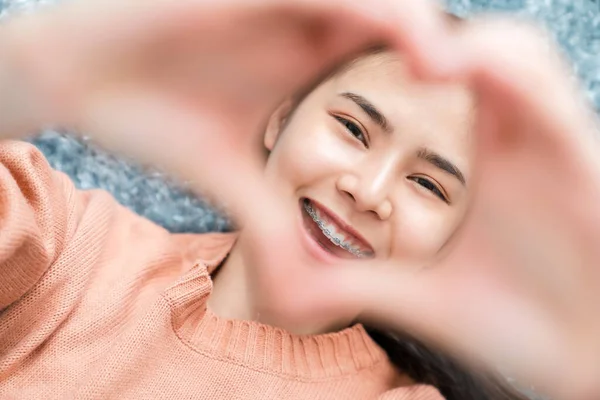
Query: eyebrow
[[425, 154], [442, 163], [368, 107]]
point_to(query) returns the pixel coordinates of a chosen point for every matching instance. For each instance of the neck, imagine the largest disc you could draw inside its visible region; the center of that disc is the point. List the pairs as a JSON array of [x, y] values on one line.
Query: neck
[[231, 295], [235, 297]]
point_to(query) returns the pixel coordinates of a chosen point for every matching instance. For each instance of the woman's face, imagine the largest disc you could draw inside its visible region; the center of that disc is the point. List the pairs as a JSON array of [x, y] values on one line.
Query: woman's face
[[378, 164]]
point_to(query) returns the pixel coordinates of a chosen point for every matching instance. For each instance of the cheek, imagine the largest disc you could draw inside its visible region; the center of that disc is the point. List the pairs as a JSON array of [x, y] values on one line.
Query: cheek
[[421, 228], [306, 155]]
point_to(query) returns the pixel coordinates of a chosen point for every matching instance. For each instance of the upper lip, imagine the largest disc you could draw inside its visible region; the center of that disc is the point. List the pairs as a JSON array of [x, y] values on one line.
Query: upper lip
[[346, 227]]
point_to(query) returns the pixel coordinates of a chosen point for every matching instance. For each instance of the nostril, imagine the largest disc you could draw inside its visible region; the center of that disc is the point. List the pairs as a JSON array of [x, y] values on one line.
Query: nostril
[[350, 195]]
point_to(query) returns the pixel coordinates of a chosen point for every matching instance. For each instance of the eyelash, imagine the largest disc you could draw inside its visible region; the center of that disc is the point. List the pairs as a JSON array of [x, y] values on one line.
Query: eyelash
[[354, 129], [356, 132], [432, 187]]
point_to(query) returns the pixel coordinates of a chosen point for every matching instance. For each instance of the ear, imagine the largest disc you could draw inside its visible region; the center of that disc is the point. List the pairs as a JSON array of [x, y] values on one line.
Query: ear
[[276, 123]]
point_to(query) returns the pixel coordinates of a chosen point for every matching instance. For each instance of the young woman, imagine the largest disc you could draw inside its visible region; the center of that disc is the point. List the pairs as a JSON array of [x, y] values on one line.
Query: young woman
[[369, 174]]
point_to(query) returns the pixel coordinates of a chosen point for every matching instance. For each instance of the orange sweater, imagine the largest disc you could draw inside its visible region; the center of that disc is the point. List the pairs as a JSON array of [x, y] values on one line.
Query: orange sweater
[[99, 303]]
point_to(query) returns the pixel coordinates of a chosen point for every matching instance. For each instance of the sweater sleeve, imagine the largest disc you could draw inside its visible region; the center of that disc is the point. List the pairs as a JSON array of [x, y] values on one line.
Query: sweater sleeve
[[414, 392], [37, 212]]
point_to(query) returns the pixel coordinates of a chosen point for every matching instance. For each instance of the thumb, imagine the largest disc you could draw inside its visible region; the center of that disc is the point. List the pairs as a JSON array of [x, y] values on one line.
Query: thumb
[[470, 316], [187, 142]]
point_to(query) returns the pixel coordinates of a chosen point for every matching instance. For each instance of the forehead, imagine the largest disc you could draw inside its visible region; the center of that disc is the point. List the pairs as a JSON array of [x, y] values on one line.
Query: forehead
[[386, 75], [438, 115]]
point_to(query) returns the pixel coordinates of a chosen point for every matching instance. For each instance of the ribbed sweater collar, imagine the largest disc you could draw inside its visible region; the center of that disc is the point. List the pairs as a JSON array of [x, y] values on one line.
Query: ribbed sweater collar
[[258, 346]]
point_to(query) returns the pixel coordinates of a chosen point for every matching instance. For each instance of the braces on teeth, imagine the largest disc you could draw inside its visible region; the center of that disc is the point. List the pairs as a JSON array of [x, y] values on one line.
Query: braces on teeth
[[329, 234]]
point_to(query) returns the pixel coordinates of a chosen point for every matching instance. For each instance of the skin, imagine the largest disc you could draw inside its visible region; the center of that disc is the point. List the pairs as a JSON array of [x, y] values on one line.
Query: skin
[[517, 247], [370, 170]]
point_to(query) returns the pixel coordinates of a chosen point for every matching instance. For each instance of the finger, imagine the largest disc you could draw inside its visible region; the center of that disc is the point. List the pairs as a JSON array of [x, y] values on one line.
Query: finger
[[418, 29], [470, 319], [541, 133], [323, 35], [407, 25], [521, 64]]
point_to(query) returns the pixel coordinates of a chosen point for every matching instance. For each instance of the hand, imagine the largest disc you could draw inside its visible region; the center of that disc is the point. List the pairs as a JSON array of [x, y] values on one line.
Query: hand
[[197, 74], [520, 287], [187, 85]]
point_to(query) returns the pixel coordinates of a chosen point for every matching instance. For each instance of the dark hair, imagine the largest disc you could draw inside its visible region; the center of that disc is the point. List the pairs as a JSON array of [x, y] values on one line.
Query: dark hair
[[454, 382]]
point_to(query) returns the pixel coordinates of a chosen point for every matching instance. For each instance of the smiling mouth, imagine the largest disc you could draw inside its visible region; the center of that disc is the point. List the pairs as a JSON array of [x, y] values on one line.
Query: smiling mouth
[[332, 234]]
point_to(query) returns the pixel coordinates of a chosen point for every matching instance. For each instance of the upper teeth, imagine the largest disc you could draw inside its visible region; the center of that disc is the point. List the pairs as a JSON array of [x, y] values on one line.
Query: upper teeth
[[329, 230]]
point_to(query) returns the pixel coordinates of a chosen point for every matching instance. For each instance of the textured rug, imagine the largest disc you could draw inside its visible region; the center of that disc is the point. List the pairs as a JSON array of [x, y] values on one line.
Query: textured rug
[[574, 23]]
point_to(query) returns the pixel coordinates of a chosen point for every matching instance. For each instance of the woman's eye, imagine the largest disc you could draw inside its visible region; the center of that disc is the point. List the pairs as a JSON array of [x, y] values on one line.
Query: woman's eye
[[432, 187], [353, 129]]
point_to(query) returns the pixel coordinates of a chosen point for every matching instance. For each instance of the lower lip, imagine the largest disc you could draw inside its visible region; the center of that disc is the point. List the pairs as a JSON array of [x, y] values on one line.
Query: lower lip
[[312, 246]]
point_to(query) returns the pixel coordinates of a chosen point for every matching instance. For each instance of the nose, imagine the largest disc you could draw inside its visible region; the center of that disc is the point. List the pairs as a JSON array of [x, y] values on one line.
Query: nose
[[369, 191]]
